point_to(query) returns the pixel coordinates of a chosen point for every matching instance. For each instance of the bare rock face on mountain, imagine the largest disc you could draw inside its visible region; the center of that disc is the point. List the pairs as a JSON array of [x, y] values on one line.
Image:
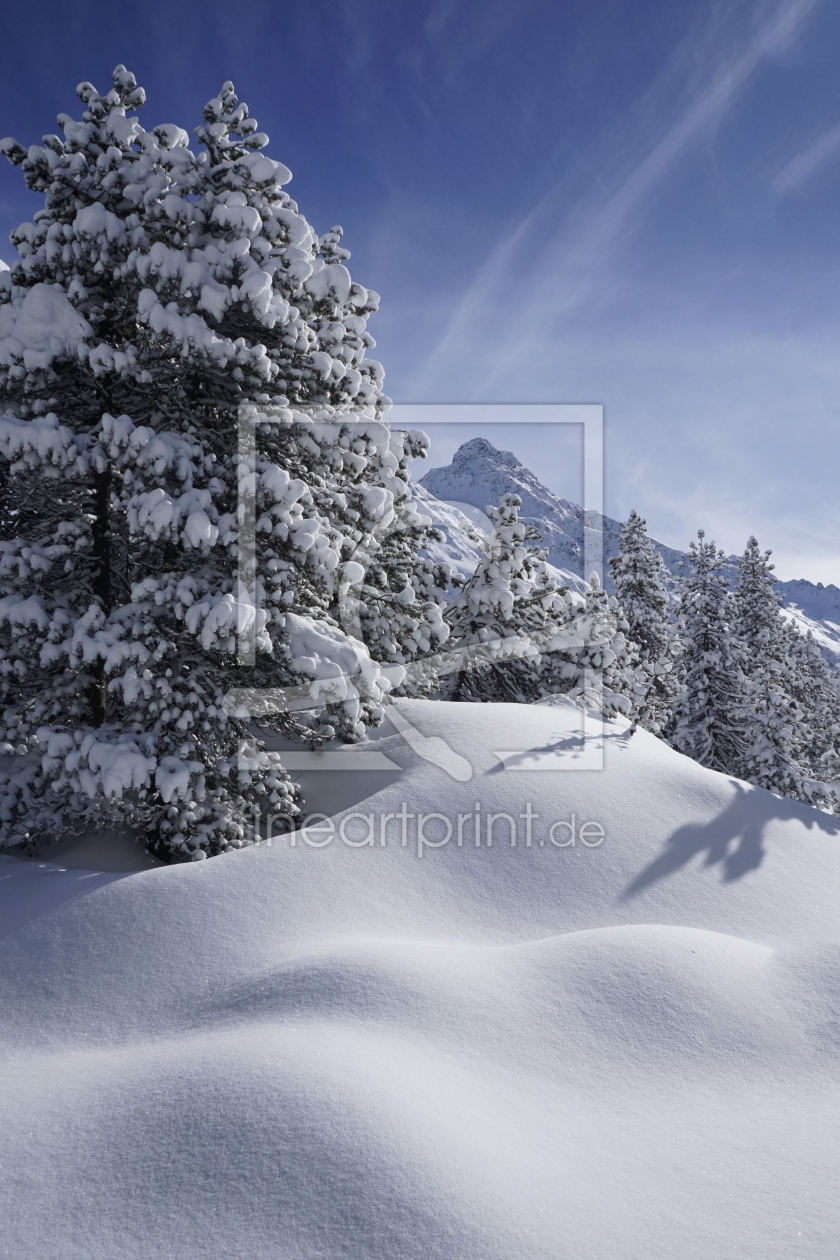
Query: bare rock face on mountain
[[480, 474]]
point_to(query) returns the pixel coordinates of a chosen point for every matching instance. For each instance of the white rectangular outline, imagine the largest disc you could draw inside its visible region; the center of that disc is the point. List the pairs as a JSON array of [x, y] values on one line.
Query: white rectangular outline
[[590, 415]]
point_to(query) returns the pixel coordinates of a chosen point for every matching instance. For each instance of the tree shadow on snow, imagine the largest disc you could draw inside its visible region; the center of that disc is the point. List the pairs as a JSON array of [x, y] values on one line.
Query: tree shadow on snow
[[568, 747], [734, 839]]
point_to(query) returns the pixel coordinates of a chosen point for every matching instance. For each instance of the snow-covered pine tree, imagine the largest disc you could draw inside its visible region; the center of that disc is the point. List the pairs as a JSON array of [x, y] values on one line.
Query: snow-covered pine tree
[[814, 688], [636, 572], [395, 605], [589, 658], [503, 613], [707, 722], [8, 525], [356, 472], [160, 297], [776, 726]]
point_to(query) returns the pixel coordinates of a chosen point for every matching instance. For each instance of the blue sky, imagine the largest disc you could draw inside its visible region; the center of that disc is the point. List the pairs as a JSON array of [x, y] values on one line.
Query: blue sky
[[632, 202]]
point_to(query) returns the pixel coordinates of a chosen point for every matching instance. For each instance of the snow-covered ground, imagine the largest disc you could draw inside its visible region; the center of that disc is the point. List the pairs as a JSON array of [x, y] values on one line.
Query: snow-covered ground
[[629, 1048]]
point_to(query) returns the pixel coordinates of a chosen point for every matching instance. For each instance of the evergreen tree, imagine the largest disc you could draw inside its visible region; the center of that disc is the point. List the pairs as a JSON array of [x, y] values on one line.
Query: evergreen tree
[[165, 303], [357, 474], [525, 638], [636, 571], [776, 726], [589, 657], [503, 613], [708, 719], [394, 597], [814, 689]]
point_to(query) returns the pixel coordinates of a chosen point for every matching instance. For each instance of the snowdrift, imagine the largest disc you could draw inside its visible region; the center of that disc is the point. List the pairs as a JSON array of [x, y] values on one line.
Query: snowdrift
[[623, 1046]]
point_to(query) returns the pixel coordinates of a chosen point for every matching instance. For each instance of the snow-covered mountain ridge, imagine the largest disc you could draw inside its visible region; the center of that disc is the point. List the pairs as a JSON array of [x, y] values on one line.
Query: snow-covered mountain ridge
[[480, 474]]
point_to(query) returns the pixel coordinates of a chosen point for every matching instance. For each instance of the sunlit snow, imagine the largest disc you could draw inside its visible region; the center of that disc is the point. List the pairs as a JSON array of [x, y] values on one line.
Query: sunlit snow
[[409, 1048]]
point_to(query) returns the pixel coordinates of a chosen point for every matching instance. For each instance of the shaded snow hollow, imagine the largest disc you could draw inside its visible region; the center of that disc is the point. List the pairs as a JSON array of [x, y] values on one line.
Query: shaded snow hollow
[[486, 1053]]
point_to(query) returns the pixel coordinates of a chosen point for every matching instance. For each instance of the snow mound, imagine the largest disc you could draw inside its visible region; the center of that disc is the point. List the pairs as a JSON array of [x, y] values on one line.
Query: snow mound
[[622, 1046]]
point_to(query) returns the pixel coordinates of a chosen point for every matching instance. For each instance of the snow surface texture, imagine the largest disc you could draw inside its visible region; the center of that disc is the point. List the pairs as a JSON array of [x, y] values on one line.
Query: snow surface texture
[[479, 1054], [480, 474]]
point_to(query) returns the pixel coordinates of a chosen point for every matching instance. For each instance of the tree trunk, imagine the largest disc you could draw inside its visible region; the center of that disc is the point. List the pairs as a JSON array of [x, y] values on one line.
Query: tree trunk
[[101, 581]]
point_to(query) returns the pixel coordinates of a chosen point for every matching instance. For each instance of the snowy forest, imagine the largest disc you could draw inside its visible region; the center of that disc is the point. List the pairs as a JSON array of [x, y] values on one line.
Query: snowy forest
[[201, 497]]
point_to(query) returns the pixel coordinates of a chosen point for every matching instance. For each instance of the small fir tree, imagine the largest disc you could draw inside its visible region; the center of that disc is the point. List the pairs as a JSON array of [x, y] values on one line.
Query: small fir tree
[[589, 657], [637, 574], [503, 613], [522, 637], [708, 718], [814, 688], [396, 603], [776, 726]]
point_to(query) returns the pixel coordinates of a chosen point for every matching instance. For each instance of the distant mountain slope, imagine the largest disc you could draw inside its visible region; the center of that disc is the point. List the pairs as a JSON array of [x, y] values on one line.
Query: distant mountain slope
[[814, 608], [461, 546], [480, 474]]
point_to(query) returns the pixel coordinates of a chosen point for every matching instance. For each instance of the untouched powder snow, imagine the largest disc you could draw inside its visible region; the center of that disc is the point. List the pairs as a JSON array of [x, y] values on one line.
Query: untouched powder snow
[[625, 1049]]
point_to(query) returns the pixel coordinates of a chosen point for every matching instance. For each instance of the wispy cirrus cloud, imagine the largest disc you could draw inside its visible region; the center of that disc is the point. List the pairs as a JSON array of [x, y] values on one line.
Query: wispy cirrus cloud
[[805, 164], [576, 259], [718, 370]]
